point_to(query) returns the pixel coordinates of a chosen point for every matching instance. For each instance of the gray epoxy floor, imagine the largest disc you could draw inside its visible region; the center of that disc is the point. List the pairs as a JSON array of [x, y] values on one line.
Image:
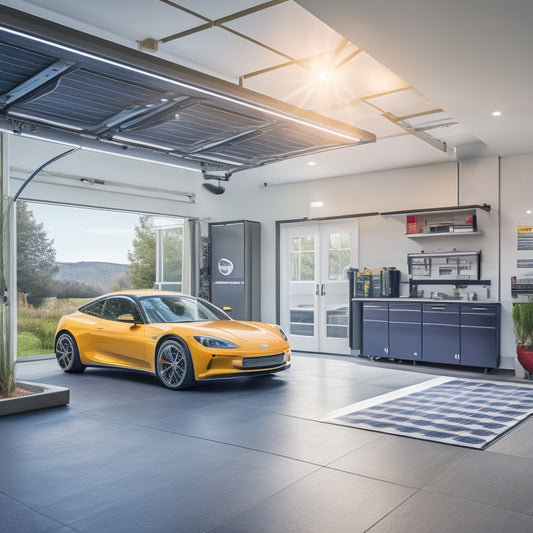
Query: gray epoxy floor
[[248, 456]]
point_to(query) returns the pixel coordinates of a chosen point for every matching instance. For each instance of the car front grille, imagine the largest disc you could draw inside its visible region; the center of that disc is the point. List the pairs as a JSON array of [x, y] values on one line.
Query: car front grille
[[264, 361]]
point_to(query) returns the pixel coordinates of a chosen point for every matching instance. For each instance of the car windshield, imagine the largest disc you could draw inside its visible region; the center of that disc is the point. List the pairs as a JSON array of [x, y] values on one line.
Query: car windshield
[[175, 308]]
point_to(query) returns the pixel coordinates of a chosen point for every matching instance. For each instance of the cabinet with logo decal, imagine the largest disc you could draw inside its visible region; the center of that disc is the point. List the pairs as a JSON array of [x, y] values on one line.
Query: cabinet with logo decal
[[235, 267]]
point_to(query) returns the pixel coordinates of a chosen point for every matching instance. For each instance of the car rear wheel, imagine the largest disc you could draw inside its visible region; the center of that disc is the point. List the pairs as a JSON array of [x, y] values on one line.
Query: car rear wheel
[[174, 365], [67, 354]]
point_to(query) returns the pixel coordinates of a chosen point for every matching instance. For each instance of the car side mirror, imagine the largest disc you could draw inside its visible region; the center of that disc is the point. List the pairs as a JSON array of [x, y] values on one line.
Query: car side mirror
[[127, 318]]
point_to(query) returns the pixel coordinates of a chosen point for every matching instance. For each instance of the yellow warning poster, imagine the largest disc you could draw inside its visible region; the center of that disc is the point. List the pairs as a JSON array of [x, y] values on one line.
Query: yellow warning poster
[[524, 237]]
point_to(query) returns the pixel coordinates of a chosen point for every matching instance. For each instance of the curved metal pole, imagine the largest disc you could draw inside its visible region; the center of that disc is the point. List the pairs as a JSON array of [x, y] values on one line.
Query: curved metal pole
[[36, 171]]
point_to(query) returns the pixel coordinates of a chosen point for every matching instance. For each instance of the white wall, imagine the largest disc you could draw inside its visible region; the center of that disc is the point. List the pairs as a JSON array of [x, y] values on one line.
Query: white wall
[[382, 240], [516, 199]]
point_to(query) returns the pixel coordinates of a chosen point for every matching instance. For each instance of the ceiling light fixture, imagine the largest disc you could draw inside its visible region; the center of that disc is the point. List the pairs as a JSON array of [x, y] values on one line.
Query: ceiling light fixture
[[317, 204], [496, 113], [311, 163]]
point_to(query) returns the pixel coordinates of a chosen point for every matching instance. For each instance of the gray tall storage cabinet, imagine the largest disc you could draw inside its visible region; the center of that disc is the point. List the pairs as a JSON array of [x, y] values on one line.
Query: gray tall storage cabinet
[[235, 267]]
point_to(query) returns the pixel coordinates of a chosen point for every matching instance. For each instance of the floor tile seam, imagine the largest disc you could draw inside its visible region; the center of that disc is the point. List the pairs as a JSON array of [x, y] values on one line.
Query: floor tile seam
[[33, 510], [473, 500], [371, 478], [507, 454], [266, 498], [169, 484], [468, 452], [216, 441], [394, 509]]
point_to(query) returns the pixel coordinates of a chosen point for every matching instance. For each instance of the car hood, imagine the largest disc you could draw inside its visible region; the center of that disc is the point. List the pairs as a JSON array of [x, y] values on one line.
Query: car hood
[[237, 330]]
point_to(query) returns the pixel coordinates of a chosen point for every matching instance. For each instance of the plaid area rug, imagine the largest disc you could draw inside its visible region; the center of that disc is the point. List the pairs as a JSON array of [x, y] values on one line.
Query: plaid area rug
[[453, 411]]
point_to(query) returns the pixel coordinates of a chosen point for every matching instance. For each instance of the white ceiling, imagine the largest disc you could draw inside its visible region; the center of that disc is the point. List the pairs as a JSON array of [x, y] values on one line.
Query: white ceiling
[[440, 67]]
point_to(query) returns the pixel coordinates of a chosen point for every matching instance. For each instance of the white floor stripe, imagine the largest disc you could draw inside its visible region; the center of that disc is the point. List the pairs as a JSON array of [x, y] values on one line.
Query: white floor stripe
[[376, 400]]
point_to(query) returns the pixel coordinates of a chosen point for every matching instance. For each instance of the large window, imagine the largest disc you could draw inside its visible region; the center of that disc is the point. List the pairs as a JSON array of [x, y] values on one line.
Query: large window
[[169, 271]]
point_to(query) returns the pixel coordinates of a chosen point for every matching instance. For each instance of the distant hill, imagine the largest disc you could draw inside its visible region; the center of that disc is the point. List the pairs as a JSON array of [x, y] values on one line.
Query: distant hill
[[96, 273]]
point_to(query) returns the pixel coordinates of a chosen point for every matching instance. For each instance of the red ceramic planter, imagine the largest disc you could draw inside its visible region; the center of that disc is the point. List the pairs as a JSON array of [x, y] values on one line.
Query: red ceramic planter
[[524, 354]]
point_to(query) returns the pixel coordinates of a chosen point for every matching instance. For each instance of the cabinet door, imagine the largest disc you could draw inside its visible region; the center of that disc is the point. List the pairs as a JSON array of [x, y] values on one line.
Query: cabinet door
[[405, 331], [375, 329], [440, 333], [480, 342]]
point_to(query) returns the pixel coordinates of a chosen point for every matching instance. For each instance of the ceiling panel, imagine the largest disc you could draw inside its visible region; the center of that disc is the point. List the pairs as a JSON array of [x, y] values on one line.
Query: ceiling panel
[[289, 28], [403, 103], [364, 76], [203, 48], [367, 117], [134, 20], [215, 10], [293, 84]]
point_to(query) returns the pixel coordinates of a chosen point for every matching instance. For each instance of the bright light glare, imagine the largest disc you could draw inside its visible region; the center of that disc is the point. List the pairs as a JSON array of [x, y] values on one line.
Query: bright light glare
[[325, 75]]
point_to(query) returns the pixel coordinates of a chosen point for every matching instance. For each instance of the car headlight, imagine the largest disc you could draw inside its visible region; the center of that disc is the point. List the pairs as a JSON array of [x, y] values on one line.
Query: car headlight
[[282, 333], [214, 342]]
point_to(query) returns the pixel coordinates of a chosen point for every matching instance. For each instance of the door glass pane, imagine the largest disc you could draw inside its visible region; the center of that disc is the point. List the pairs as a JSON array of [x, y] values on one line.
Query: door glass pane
[[339, 258], [339, 254], [334, 265], [302, 264], [302, 258], [307, 266]]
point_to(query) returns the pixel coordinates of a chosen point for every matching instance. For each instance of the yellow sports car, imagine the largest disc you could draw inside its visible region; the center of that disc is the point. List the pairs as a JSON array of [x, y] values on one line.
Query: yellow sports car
[[179, 338]]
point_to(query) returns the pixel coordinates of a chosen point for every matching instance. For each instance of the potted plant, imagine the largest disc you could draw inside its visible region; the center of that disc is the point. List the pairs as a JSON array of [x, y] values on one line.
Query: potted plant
[[522, 315], [7, 365]]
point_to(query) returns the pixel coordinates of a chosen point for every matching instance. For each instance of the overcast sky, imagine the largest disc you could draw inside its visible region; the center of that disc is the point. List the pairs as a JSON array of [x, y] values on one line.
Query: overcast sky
[[87, 234]]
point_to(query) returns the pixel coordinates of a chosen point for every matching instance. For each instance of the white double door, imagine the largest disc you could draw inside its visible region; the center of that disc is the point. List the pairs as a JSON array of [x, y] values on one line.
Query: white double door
[[314, 296]]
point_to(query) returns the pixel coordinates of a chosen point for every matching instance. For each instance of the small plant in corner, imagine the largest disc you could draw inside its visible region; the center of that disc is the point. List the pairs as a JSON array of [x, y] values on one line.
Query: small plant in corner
[[522, 315]]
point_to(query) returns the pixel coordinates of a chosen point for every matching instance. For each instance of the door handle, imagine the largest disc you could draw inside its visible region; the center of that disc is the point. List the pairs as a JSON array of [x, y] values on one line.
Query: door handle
[[316, 290], [323, 289]]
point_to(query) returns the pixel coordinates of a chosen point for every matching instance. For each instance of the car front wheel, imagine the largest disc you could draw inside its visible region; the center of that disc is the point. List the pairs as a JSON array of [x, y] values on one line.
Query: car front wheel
[[174, 365], [67, 354]]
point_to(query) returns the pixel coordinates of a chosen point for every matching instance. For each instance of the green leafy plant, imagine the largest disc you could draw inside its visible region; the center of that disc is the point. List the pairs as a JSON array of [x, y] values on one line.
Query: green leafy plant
[[522, 315]]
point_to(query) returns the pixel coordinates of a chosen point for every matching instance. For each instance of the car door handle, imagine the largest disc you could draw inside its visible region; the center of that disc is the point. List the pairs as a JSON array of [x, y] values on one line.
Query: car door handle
[[99, 328]]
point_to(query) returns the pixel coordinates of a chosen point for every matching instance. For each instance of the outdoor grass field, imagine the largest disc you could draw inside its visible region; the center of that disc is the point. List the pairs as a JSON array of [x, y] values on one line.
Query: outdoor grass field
[[37, 326]]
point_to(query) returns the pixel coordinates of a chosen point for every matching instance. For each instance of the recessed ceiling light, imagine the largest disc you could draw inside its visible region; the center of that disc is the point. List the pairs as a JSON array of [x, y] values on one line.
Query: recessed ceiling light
[[496, 113], [311, 163], [317, 204], [528, 212]]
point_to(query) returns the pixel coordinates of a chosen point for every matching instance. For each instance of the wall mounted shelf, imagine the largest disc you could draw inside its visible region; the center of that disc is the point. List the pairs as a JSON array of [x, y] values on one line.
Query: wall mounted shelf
[[443, 234]]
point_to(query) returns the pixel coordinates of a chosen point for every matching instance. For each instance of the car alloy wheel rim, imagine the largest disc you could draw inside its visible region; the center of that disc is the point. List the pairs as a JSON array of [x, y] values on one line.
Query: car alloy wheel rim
[[172, 364], [64, 352]]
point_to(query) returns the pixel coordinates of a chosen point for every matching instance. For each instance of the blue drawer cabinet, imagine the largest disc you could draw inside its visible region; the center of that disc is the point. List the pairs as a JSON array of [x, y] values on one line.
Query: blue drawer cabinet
[[375, 329], [465, 333], [480, 335], [405, 330], [441, 333]]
